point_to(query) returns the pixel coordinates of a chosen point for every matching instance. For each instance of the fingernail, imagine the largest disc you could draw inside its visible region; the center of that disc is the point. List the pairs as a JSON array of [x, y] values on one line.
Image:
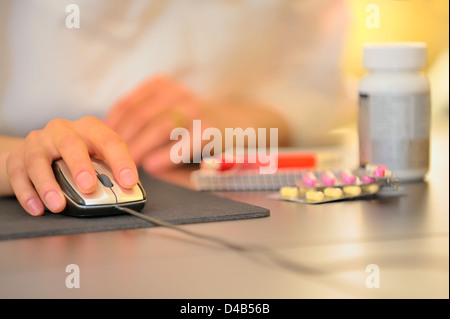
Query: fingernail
[[53, 201], [128, 177], [34, 207], [85, 180]]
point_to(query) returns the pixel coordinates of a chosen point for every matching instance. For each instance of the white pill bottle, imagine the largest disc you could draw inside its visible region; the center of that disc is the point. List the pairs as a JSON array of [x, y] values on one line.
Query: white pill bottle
[[394, 109]]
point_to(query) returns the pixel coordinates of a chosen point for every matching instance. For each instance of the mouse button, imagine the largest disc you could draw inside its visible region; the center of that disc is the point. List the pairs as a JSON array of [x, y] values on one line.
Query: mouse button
[[128, 195], [104, 179], [66, 183], [101, 167], [64, 173], [100, 196]]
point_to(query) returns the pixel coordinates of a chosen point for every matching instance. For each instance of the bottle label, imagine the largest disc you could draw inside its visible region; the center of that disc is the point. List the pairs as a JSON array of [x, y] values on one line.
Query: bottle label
[[394, 130]]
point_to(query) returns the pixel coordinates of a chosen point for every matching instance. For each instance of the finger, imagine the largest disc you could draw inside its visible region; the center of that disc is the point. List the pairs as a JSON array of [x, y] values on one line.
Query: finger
[[170, 155], [168, 97], [38, 167], [154, 135], [21, 184], [159, 160], [133, 99], [108, 144], [73, 150]]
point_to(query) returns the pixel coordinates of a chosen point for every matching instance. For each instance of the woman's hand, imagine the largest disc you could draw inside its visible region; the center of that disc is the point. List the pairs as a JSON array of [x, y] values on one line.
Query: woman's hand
[[146, 117], [29, 165]]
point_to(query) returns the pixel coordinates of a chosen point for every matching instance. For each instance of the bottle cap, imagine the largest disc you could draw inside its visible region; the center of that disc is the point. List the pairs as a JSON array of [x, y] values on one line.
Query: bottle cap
[[395, 55]]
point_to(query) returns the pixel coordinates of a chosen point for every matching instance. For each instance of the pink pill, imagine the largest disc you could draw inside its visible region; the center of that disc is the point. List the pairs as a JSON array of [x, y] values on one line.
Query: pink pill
[[347, 177], [367, 179], [328, 178], [379, 172], [309, 179]]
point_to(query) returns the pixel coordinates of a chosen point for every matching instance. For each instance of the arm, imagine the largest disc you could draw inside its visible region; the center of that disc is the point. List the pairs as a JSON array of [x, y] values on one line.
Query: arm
[[6, 145]]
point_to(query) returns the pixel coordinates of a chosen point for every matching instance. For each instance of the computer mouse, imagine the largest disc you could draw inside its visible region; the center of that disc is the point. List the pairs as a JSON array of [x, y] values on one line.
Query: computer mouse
[[106, 197]]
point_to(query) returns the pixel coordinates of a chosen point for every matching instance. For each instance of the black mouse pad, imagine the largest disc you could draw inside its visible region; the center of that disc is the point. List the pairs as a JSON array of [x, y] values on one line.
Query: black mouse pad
[[167, 202]]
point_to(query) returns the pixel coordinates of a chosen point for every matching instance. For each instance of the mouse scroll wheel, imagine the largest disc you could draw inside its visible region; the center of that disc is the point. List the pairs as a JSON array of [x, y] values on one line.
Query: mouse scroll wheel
[[104, 179]]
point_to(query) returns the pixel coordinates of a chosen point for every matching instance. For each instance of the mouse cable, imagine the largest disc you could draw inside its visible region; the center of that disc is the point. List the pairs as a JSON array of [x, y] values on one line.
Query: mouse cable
[[278, 259]]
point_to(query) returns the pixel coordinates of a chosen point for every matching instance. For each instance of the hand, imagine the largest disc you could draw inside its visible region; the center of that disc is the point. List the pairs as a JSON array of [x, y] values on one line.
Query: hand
[[29, 168], [145, 118]]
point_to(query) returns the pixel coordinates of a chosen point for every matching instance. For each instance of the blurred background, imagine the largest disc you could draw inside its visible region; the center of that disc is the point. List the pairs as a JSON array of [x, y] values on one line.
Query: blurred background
[[365, 21]]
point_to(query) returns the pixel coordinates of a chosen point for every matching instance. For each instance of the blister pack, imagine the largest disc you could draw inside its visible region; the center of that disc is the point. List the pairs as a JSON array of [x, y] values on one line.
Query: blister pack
[[324, 186]]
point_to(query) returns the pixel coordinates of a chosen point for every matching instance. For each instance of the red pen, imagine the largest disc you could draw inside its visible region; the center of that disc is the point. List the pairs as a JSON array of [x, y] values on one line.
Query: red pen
[[303, 160]]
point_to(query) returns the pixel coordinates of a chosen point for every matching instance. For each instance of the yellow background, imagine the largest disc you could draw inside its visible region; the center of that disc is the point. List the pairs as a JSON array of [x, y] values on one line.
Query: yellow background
[[400, 20]]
